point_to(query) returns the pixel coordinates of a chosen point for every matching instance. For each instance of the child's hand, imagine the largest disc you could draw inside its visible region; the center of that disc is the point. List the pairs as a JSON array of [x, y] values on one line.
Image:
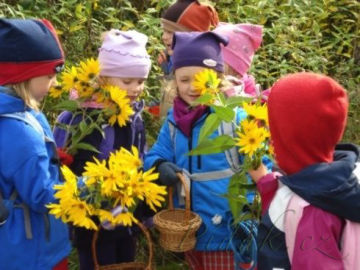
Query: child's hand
[[258, 173], [167, 171]]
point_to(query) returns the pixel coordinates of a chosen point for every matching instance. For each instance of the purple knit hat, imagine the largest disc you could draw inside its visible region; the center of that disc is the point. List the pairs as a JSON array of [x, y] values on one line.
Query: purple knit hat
[[123, 54], [198, 49]]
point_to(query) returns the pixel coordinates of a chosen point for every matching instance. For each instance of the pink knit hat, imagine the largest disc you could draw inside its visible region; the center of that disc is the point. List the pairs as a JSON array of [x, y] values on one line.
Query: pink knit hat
[[123, 54], [244, 40]]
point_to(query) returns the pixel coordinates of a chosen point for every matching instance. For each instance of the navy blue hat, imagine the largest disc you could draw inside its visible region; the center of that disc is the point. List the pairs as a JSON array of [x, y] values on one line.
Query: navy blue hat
[[198, 49], [28, 49]]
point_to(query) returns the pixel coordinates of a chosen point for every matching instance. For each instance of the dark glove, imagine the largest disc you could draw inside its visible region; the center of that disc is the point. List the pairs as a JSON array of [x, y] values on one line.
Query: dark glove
[[167, 173]]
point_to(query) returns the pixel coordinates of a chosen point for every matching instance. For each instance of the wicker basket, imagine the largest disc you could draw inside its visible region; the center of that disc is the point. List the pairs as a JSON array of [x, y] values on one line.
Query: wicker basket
[[177, 227], [128, 265]]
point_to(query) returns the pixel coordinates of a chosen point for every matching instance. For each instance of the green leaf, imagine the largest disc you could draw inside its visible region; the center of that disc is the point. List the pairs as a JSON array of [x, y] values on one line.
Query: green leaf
[[204, 100], [233, 102], [211, 124], [224, 113], [86, 146], [218, 145], [67, 105]]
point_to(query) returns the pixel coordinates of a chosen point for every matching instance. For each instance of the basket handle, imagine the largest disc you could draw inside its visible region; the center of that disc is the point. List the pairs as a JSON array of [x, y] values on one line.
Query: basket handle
[[148, 238], [187, 196]]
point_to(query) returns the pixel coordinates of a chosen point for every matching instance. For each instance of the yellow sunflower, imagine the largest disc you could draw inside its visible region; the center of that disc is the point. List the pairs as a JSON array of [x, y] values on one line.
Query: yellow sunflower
[[84, 89], [248, 125], [89, 69], [56, 91], [125, 219], [69, 78], [206, 81], [122, 110], [257, 111], [249, 142]]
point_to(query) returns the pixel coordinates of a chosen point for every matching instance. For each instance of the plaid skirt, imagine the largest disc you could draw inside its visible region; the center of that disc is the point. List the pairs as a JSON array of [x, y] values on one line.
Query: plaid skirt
[[210, 260]]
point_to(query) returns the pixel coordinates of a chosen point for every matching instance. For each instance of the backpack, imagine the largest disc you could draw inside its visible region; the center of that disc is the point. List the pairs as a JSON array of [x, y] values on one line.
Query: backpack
[[350, 239], [29, 119]]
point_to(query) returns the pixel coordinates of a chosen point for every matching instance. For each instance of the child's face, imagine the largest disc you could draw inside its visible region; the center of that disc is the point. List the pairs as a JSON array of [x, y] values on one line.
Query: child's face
[[167, 38], [184, 78], [133, 86], [39, 86]]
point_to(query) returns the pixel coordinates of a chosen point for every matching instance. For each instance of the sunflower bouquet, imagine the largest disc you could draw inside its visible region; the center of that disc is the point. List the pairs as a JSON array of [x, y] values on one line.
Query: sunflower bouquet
[[117, 183], [80, 88], [251, 138]]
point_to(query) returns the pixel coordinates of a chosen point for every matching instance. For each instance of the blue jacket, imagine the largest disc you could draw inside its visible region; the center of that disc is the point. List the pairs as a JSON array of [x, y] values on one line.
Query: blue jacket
[[28, 165], [206, 197]]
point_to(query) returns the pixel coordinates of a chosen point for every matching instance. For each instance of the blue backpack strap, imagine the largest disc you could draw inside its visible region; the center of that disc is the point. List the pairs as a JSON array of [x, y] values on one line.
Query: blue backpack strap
[[29, 119], [107, 143], [232, 155]]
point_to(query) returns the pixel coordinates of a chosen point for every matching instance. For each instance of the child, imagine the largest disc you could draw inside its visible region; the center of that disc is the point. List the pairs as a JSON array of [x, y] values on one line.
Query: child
[[307, 116], [179, 134], [182, 16], [30, 57], [244, 40], [125, 63]]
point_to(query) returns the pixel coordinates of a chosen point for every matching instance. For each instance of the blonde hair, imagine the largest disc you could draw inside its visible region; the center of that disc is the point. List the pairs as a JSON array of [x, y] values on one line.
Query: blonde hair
[[22, 90]]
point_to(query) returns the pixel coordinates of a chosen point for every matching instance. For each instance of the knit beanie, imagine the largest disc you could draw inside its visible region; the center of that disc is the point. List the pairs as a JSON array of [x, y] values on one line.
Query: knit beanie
[[189, 15], [198, 49], [123, 54], [244, 40], [307, 118], [28, 49]]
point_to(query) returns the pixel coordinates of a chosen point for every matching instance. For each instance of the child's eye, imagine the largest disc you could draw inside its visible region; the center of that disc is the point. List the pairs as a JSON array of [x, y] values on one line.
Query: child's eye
[[184, 80], [141, 81], [127, 81]]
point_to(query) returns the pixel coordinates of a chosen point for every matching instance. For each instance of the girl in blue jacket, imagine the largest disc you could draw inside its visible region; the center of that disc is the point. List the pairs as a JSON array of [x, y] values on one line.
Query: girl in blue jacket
[[30, 56], [210, 174]]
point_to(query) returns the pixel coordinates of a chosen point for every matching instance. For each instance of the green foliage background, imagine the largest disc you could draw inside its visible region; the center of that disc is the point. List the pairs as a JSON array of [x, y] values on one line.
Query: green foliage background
[[312, 35]]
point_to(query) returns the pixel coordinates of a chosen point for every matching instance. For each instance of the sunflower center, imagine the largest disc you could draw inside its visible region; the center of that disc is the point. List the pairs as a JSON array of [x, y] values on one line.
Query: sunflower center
[[252, 141]]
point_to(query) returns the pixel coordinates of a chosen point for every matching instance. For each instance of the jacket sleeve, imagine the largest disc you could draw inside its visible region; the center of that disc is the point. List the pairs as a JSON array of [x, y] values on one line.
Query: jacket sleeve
[[163, 148], [34, 184], [267, 186], [317, 241]]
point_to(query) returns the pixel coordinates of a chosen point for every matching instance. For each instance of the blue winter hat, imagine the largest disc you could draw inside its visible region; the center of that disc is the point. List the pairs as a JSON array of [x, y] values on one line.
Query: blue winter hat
[[28, 49], [198, 49]]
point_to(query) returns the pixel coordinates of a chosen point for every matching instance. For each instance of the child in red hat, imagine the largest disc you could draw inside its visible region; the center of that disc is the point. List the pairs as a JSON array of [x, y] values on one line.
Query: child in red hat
[[30, 57], [307, 117]]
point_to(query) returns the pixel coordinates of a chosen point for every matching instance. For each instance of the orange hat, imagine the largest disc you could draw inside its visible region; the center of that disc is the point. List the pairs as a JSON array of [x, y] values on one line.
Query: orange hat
[[189, 15]]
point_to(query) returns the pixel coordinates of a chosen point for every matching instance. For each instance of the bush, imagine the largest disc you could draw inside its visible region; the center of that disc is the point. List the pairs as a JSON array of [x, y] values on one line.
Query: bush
[[302, 35]]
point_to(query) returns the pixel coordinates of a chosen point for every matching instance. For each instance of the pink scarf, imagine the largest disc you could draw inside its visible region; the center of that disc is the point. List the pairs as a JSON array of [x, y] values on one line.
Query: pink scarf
[[185, 116]]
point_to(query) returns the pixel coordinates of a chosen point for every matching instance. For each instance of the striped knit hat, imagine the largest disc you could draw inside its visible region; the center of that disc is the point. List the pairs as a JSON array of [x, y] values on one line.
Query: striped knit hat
[[189, 15], [28, 49]]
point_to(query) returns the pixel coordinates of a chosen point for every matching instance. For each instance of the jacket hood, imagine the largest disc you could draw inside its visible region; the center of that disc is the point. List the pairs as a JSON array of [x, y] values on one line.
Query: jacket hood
[[334, 186], [307, 117], [9, 102]]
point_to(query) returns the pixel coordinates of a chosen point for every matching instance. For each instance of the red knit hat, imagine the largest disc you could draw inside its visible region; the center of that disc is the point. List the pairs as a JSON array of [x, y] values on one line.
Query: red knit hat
[[28, 49], [189, 15], [307, 117]]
